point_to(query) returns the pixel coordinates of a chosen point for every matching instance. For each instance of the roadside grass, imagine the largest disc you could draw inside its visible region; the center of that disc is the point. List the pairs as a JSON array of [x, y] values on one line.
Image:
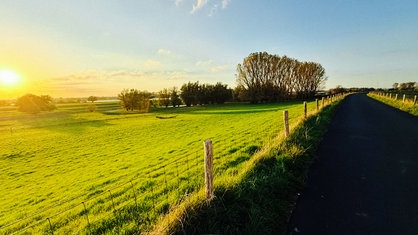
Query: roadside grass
[[261, 197], [111, 171], [407, 106]]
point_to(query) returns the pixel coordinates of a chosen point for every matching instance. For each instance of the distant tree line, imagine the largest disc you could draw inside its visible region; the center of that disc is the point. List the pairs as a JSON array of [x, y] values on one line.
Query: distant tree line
[[405, 86], [195, 93], [31, 103], [263, 77], [133, 99]]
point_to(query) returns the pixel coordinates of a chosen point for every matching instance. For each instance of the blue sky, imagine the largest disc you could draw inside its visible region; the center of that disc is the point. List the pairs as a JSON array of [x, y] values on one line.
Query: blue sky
[[85, 47]]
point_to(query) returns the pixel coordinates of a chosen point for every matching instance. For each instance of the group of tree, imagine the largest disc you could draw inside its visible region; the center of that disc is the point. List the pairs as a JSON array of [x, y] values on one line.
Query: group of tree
[[263, 77], [195, 93], [133, 99], [31, 103], [405, 86]]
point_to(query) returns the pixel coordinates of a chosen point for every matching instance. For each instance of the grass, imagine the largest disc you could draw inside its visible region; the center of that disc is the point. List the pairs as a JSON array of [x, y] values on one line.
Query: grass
[[114, 172], [407, 106], [259, 199]]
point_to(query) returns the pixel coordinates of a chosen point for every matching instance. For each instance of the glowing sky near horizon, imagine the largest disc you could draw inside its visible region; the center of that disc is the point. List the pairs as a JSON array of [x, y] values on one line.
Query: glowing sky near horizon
[[83, 48]]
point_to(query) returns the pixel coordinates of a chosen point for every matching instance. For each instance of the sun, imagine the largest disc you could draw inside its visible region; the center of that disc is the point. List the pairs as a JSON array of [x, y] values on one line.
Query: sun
[[9, 77]]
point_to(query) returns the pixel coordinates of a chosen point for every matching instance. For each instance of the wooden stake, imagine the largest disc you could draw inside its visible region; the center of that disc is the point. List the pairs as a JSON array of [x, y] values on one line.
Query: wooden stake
[[305, 109], [286, 122], [403, 98], [208, 169], [317, 104], [415, 100]]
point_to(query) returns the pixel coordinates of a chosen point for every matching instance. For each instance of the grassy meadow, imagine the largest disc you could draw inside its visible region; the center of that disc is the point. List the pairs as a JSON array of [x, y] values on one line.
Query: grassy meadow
[[397, 102], [74, 171]]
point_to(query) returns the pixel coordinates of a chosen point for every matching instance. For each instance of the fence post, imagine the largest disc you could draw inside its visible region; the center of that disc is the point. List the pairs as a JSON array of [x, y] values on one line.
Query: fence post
[[208, 149], [305, 109], [317, 104], [403, 98], [322, 102], [396, 97], [390, 95], [286, 122]]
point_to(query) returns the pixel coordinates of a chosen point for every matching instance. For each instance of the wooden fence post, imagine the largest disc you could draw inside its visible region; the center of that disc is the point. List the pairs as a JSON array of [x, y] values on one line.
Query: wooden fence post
[[390, 95], [415, 100], [322, 102], [286, 122], [305, 109], [317, 104], [208, 169], [396, 97], [403, 98]]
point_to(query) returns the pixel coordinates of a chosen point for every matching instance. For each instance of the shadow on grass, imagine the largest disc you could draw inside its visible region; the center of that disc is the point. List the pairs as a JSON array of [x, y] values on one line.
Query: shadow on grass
[[262, 202]]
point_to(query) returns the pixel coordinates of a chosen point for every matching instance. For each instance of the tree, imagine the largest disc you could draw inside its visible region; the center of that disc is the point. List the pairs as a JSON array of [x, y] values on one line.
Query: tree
[[268, 78], [395, 85], [190, 93], [30, 103], [174, 97], [164, 97], [131, 99], [92, 98]]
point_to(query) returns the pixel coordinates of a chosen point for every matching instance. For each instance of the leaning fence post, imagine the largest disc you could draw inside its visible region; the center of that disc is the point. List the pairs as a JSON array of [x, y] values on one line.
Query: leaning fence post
[[305, 109], [286, 122], [317, 105], [415, 100], [322, 102], [396, 97], [208, 148], [403, 98]]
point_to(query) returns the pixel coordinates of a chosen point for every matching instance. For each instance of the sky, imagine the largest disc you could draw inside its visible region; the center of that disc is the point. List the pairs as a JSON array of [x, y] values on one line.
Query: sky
[[80, 48]]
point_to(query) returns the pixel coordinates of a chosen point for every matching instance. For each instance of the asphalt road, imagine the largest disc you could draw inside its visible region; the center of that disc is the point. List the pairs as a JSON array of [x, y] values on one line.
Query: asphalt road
[[365, 176]]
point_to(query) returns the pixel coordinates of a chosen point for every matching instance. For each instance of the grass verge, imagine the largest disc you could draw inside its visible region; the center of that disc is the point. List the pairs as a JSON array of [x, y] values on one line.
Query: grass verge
[[260, 199], [407, 106]]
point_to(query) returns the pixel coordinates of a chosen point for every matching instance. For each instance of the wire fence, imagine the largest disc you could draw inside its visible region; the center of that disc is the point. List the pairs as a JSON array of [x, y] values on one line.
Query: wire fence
[[136, 203], [405, 98]]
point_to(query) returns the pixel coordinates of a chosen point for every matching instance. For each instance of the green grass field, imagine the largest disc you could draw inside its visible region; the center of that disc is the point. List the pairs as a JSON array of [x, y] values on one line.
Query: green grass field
[[397, 101], [127, 168]]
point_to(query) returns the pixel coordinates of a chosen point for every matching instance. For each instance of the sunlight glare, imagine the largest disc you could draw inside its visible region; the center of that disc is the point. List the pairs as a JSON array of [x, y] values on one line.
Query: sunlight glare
[[9, 77]]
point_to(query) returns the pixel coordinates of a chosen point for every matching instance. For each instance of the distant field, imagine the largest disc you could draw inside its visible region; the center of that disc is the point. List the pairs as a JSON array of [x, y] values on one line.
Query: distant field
[[53, 162]]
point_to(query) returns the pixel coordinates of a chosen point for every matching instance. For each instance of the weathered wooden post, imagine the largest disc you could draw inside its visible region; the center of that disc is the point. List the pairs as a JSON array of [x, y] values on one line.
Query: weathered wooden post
[[390, 95], [396, 97], [305, 109], [415, 100], [317, 104], [322, 102], [403, 98], [208, 169], [286, 123]]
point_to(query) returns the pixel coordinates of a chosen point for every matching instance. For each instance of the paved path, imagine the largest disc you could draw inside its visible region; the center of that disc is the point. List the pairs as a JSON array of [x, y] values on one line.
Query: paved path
[[365, 176]]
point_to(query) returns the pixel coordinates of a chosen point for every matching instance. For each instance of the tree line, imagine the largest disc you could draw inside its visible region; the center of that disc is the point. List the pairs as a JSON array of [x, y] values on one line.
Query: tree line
[[191, 93], [263, 77], [405, 86]]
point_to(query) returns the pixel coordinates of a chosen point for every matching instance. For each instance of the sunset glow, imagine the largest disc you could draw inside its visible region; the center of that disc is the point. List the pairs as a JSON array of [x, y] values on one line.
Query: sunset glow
[[9, 78]]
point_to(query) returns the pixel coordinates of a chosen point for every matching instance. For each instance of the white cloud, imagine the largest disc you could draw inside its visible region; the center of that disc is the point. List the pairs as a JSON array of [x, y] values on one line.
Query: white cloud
[[163, 51], [225, 3], [219, 69], [201, 63], [199, 4]]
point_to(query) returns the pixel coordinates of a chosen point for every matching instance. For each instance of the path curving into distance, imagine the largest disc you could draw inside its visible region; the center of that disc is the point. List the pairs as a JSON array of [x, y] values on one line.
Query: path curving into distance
[[364, 179]]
